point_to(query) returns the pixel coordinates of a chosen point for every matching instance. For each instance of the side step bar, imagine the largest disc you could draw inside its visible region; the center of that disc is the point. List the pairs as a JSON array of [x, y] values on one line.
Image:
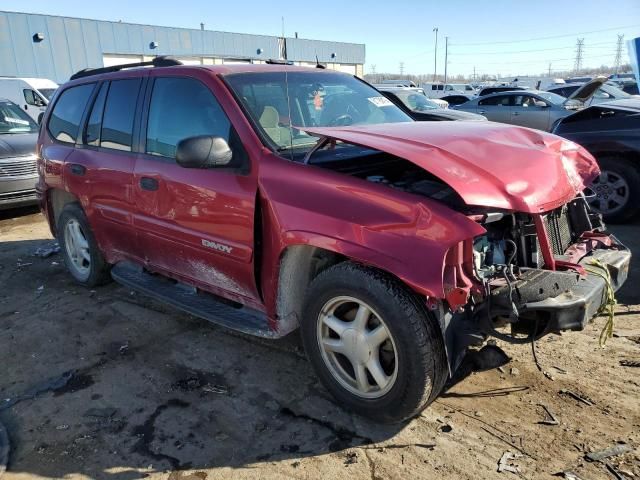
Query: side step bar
[[199, 304]]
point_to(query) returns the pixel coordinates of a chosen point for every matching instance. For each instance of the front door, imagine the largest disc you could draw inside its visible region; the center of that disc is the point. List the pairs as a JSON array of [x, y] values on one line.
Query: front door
[[194, 224]]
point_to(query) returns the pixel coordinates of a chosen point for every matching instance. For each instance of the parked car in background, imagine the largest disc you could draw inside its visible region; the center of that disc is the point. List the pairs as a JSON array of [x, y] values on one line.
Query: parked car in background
[[606, 93], [18, 172], [31, 94], [611, 133], [530, 108], [459, 99], [415, 104], [432, 101], [399, 82], [269, 197], [439, 90]]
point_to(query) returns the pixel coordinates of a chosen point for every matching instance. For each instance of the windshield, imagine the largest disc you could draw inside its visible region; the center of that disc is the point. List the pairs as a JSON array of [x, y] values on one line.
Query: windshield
[[415, 101], [47, 92], [553, 97], [279, 102], [14, 120], [615, 92]]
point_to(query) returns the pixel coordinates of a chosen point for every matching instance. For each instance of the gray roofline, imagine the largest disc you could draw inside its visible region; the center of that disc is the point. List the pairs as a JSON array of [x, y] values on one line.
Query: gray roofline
[[177, 28]]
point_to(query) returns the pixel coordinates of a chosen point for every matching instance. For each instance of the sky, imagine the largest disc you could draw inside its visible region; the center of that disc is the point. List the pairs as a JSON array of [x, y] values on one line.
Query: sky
[[497, 37]]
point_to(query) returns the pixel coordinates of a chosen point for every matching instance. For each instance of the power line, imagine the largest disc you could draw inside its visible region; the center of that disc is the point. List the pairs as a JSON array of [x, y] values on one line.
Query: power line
[[549, 37], [527, 51]]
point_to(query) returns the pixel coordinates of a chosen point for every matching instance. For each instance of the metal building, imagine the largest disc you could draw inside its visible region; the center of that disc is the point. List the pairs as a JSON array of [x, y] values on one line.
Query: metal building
[[34, 45]]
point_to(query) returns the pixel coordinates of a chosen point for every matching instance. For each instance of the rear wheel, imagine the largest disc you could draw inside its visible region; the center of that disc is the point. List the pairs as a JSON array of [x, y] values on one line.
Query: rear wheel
[[372, 344], [79, 248], [615, 193]]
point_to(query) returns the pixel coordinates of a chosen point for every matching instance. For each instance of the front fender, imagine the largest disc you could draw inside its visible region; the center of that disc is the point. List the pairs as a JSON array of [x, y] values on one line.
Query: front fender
[[403, 234]]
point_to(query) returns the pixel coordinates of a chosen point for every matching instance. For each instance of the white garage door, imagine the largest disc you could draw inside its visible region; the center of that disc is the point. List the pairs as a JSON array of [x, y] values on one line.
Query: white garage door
[[111, 60], [190, 61], [347, 69]]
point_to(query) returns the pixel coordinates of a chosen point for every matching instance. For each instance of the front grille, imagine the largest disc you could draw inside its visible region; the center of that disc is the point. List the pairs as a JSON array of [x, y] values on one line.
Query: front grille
[[558, 229], [18, 167]]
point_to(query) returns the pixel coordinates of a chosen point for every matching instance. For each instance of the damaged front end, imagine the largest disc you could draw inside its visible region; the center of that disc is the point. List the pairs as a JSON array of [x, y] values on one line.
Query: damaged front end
[[529, 275]]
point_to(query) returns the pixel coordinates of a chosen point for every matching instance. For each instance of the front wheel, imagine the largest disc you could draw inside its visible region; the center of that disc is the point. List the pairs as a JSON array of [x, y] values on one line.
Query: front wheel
[[615, 193], [372, 344]]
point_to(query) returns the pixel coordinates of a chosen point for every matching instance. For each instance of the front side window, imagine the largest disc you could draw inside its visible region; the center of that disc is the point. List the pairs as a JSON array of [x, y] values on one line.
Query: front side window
[[14, 120], [32, 98], [64, 122], [119, 113], [181, 108], [281, 105]]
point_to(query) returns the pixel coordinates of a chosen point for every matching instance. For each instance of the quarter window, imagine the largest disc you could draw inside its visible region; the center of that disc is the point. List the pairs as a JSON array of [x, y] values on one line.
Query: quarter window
[[119, 112], [64, 123], [181, 108]]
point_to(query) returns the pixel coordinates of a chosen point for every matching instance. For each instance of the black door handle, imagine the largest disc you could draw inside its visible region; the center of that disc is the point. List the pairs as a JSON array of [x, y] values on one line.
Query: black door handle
[[78, 169], [150, 184]]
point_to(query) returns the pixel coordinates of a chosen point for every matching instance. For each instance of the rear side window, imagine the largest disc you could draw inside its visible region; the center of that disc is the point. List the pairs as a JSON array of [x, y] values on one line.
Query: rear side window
[[64, 122], [181, 108], [92, 132], [119, 112]]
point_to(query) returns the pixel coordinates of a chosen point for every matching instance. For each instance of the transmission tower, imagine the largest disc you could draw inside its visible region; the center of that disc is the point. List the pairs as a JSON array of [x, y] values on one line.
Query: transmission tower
[[579, 52], [401, 68], [618, 58]]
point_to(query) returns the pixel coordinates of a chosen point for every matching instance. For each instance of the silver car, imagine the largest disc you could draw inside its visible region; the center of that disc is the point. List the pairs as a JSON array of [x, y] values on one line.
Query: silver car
[[531, 108]]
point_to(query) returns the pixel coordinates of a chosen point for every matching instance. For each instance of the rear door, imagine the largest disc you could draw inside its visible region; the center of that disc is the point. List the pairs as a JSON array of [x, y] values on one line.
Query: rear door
[[496, 108], [530, 111], [100, 169], [194, 224]]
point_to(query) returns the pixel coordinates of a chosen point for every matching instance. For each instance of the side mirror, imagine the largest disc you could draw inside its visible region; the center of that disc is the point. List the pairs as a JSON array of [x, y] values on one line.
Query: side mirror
[[203, 151]]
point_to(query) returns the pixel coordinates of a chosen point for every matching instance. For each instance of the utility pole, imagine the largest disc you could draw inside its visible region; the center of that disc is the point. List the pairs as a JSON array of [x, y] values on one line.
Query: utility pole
[[579, 52], [549, 69], [618, 58], [474, 73], [282, 27], [401, 69], [446, 57], [435, 56], [373, 74]]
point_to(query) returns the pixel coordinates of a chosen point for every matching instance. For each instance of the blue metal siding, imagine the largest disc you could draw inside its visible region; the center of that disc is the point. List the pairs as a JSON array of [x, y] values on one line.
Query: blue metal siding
[[71, 44]]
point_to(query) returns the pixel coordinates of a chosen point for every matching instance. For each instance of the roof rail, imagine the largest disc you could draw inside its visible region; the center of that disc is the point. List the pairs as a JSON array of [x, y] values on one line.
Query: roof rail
[[275, 61], [162, 61]]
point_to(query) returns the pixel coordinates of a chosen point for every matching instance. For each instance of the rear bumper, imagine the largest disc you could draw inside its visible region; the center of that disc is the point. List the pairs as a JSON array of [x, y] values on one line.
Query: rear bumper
[[573, 309]]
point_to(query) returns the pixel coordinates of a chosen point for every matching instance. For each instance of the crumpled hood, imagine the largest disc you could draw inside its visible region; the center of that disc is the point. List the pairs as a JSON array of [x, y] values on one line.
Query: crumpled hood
[[17, 144], [488, 164]]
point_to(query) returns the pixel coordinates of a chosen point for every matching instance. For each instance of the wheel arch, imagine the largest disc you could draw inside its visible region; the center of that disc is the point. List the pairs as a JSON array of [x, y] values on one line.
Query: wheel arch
[[58, 199]]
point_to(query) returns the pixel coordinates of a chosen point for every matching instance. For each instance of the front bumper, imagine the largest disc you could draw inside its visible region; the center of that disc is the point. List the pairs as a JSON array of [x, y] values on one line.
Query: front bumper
[[18, 191], [574, 308]]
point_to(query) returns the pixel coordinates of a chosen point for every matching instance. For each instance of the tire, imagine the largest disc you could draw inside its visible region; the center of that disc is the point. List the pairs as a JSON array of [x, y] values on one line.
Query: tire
[[616, 171], [89, 267], [413, 358]]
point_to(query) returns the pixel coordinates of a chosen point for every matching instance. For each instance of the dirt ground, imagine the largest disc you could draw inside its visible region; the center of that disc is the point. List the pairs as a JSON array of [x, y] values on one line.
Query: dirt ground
[[108, 384]]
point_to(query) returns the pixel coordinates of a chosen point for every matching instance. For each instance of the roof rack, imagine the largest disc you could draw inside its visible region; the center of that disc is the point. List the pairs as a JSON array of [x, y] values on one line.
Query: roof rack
[[274, 61], [162, 61]]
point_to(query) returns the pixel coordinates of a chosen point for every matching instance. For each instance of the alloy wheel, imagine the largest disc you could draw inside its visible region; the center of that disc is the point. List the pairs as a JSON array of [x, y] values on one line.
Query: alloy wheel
[[357, 347], [77, 248], [608, 193]]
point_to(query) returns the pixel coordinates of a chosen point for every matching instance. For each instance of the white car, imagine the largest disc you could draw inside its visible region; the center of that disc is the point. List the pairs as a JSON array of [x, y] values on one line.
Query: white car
[[439, 90], [31, 94]]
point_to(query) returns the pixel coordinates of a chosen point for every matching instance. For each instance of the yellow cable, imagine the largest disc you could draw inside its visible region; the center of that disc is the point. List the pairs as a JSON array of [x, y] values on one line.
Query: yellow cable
[[600, 269]]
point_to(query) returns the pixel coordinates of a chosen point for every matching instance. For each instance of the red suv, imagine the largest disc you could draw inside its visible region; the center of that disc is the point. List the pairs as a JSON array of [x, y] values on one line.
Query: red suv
[[271, 197]]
